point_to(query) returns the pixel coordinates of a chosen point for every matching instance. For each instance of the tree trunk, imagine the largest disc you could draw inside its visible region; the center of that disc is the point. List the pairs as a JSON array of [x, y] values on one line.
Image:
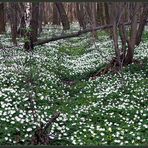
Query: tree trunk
[[133, 32], [100, 13], [2, 18], [80, 15], [21, 30], [13, 21], [34, 21], [88, 9], [107, 19], [143, 19], [70, 12], [45, 16], [40, 20], [123, 37], [56, 17], [94, 24], [31, 36], [106, 13], [22, 24], [63, 16]]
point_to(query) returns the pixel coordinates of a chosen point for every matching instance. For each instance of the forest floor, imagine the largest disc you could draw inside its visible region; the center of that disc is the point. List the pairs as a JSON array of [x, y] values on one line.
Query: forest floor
[[110, 110]]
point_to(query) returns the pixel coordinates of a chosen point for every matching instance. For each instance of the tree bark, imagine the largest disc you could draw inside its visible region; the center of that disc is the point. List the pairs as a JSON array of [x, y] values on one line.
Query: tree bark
[[100, 13], [34, 21], [106, 13], [22, 23], [13, 21], [133, 32], [2, 18], [40, 20], [56, 17], [63, 15], [114, 17], [143, 19], [80, 15], [45, 14], [94, 24], [31, 36]]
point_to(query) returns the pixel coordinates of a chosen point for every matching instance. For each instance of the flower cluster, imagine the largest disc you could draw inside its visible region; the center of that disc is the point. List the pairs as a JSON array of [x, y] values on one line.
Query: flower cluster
[[109, 110]]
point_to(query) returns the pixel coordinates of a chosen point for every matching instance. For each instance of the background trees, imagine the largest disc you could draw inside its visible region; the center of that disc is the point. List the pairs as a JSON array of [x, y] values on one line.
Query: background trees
[[132, 37], [87, 14], [34, 23], [63, 15], [2, 17]]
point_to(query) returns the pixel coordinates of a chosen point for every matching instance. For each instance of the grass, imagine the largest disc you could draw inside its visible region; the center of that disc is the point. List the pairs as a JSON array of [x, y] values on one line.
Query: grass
[[111, 110]]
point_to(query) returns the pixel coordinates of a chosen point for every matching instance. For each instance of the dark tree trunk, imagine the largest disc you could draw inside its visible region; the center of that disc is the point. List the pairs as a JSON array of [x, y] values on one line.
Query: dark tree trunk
[[31, 36], [100, 13], [2, 18], [143, 19], [40, 20], [133, 33], [63, 16], [22, 25], [45, 16], [34, 21], [70, 12], [114, 19], [21, 29], [88, 9], [93, 16], [13, 21], [107, 19], [123, 37], [56, 17], [80, 15], [106, 13]]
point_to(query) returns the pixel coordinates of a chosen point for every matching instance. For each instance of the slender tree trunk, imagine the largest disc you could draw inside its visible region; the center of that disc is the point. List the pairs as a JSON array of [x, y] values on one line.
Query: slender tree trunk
[[63, 16], [106, 13], [2, 18], [13, 21], [32, 36], [101, 13], [45, 13], [22, 24], [94, 24], [143, 19], [70, 12], [34, 21], [107, 19], [88, 9], [80, 15], [40, 20], [132, 41], [123, 38], [115, 38], [56, 17]]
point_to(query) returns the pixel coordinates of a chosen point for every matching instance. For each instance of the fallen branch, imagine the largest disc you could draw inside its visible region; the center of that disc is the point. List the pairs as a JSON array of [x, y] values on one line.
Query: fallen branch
[[75, 34], [113, 67], [41, 136], [50, 121]]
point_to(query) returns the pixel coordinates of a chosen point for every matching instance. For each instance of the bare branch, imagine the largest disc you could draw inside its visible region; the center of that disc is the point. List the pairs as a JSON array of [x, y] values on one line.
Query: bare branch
[[75, 34]]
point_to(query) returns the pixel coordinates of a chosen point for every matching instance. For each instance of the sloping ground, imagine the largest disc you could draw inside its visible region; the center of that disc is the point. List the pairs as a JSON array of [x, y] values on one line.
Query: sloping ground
[[111, 110]]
